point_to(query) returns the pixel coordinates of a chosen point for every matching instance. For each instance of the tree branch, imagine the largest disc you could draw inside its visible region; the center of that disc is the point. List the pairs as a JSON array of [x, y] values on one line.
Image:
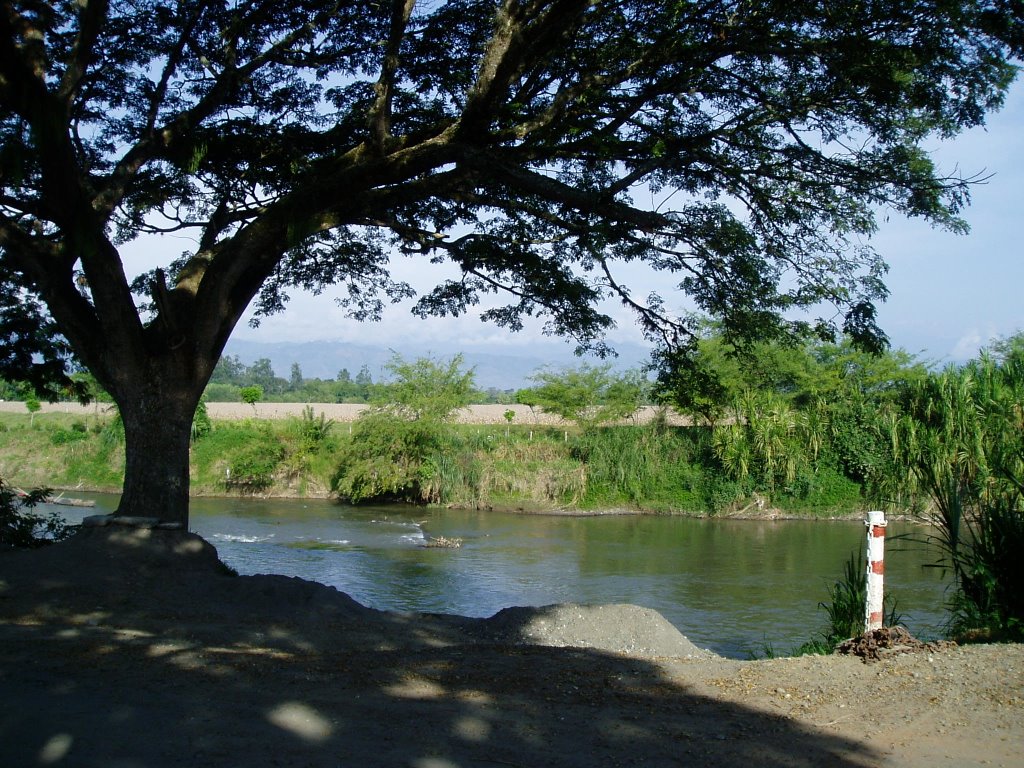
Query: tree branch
[[91, 17], [524, 33], [174, 58], [379, 118], [47, 268], [655, 322], [157, 141], [530, 182]]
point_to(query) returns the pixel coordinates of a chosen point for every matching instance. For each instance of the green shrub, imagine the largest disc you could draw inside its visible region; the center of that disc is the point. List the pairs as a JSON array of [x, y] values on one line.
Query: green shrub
[[375, 477], [218, 392], [22, 528], [61, 436], [385, 459], [453, 475], [201, 424], [113, 432], [618, 463], [963, 440], [718, 493], [314, 430], [253, 468], [989, 604], [821, 488], [649, 466]]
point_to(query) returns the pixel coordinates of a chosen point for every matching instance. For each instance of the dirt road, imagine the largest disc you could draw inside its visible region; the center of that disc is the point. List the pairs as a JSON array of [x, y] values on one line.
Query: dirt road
[[137, 650]]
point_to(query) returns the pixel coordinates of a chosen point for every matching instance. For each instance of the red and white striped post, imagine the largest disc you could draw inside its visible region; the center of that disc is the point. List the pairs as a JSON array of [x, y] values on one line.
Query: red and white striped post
[[873, 611]]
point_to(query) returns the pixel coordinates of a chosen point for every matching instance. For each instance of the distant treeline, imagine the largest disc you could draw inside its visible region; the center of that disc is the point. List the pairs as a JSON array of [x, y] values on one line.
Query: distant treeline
[[232, 375]]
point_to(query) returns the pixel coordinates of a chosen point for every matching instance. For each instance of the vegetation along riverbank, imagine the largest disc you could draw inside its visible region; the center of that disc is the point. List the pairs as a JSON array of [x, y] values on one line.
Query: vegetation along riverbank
[[818, 430], [543, 467]]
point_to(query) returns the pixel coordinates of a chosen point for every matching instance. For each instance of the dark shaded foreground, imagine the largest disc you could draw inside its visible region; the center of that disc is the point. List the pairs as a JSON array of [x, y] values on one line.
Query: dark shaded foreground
[[136, 650]]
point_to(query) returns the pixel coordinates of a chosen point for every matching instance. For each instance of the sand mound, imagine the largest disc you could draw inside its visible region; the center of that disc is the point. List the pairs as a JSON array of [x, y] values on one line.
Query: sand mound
[[619, 628]]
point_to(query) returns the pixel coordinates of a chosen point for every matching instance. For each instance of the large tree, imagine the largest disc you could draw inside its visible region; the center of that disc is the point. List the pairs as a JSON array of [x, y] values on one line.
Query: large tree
[[741, 147]]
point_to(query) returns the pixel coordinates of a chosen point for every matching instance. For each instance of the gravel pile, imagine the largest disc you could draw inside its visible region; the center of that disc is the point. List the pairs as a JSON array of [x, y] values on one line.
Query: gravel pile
[[619, 628]]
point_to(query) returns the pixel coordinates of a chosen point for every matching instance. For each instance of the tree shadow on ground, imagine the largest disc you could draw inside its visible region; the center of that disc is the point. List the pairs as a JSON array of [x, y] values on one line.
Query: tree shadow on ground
[[135, 656]]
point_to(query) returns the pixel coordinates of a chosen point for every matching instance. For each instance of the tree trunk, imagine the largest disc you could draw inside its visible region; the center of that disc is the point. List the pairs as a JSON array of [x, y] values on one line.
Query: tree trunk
[[157, 430]]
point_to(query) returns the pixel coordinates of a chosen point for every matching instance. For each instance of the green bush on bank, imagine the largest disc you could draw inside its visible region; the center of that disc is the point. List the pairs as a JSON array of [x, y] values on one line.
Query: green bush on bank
[[253, 468], [676, 469], [61, 436], [962, 438], [286, 457], [388, 458]]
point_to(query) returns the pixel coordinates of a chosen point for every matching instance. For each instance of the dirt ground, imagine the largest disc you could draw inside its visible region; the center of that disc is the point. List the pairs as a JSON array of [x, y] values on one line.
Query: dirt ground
[[135, 649]]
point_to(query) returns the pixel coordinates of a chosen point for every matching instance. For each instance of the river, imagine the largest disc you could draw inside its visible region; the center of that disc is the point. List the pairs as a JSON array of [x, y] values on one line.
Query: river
[[734, 586]]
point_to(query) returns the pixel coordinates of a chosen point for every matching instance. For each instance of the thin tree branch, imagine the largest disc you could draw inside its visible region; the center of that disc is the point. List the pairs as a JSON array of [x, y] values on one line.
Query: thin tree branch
[[380, 113], [91, 17]]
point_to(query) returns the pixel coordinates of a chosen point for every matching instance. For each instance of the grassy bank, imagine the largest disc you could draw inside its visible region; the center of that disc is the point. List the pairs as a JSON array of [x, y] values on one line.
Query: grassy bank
[[62, 451], [653, 468]]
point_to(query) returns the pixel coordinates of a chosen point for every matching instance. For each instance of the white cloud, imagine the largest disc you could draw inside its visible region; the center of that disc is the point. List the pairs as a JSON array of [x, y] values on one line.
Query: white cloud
[[967, 346]]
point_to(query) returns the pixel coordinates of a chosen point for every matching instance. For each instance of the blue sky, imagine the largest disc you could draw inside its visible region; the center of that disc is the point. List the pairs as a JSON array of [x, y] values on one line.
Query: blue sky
[[950, 294]]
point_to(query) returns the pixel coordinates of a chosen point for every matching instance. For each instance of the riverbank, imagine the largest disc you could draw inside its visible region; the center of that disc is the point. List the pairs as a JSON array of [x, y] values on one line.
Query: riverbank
[[143, 651], [661, 469]]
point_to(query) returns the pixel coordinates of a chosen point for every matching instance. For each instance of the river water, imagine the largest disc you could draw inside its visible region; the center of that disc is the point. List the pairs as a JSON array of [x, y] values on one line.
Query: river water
[[733, 586]]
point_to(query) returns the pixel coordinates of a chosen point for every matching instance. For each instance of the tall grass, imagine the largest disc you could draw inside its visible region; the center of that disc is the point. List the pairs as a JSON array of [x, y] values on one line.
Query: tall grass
[[620, 464], [530, 470], [844, 609], [654, 467], [963, 440]]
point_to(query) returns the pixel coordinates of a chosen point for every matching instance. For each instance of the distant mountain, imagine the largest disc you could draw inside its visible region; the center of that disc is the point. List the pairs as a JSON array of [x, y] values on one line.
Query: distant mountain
[[494, 366]]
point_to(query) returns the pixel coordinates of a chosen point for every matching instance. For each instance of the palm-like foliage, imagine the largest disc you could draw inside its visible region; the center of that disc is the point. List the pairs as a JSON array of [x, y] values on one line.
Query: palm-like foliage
[[765, 440], [963, 440]]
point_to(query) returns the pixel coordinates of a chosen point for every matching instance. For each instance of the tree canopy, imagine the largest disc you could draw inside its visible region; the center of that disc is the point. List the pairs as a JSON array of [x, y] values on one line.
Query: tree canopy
[[587, 394], [743, 148], [425, 389], [709, 383]]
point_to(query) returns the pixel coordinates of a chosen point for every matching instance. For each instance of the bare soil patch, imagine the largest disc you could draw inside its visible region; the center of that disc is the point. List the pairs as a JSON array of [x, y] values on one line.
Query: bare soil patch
[[127, 648]]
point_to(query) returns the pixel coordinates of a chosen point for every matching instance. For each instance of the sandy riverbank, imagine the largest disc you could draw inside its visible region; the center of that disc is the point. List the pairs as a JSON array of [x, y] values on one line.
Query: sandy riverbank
[[136, 651]]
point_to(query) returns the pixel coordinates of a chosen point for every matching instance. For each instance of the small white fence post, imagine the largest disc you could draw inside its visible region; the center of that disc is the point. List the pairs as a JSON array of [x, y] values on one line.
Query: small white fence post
[[873, 611]]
